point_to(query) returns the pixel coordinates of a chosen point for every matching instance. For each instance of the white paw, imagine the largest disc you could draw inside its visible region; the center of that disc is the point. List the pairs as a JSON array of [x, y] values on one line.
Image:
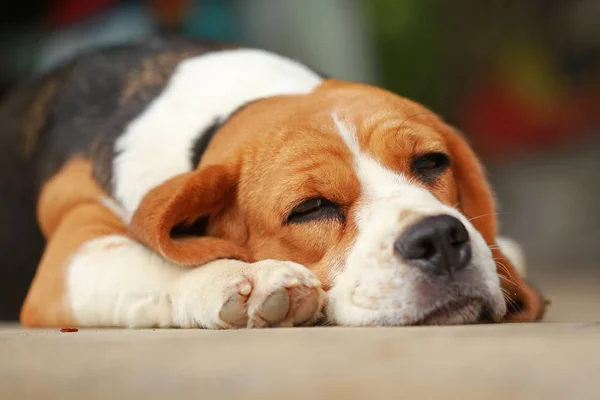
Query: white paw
[[233, 294]]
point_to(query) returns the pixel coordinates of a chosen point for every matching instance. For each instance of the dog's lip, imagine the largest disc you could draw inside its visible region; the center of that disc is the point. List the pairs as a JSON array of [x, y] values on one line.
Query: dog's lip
[[474, 309], [452, 307]]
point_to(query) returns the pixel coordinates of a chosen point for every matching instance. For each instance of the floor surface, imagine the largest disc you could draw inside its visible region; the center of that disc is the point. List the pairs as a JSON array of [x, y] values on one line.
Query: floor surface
[[557, 359]]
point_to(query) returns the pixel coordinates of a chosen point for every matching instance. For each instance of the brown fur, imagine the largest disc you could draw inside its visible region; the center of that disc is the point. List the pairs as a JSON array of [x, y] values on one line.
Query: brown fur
[[70, 215]]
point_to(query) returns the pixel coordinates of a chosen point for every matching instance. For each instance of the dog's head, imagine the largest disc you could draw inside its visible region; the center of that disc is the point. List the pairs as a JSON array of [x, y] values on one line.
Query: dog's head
[[383, 201]]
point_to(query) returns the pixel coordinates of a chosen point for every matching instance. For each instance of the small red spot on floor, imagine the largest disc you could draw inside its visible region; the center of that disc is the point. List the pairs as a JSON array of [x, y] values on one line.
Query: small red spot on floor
[[69, 330]]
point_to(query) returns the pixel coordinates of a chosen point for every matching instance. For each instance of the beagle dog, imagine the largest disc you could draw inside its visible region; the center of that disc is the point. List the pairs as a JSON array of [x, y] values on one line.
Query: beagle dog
[[190, 185]]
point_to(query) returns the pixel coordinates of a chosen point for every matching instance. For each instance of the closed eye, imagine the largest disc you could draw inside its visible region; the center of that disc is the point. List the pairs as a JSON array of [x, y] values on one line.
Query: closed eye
[[314, 209], [427, 167]]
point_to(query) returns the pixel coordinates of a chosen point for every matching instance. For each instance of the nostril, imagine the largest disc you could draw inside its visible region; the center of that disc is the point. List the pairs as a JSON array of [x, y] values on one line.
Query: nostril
[[458, 235], [418, 248], [426, 248]]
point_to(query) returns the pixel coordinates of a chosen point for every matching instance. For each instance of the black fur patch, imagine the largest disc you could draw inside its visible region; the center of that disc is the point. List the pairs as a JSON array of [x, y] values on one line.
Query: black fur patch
[[201, 143]]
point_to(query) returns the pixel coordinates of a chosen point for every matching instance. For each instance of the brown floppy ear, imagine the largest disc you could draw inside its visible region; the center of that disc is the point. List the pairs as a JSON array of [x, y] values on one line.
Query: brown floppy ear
[[180, 202], [477, 203]]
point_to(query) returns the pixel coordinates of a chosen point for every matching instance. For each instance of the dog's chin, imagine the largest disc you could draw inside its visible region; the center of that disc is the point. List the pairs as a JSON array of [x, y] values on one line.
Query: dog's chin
[[453, 311], [457, 312]]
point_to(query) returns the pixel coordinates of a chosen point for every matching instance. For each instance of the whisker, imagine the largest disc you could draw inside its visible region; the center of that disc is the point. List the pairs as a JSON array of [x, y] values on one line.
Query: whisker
[[496, 246], [508, 299], [486, 215], [507, 292], [512, 278], [504, 278]]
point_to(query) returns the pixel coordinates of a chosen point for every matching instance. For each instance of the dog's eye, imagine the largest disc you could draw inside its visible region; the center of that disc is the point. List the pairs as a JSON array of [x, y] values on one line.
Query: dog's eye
[[429, 166], [313, 210]]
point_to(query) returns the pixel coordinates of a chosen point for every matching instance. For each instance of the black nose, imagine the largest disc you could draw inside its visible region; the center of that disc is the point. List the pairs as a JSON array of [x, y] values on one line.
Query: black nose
[[439, 244]]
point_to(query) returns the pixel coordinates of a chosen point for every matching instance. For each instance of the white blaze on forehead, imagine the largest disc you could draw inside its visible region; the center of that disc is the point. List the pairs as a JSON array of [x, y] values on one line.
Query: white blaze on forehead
[[377, 181], [158, 144]]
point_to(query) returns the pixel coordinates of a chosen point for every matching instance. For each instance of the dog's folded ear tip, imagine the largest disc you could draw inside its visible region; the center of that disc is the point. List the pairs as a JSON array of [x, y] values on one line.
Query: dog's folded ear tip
[[172, 218]]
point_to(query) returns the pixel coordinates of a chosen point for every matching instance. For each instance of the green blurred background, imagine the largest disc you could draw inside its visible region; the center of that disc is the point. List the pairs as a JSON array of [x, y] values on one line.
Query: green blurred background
[[520, 78]]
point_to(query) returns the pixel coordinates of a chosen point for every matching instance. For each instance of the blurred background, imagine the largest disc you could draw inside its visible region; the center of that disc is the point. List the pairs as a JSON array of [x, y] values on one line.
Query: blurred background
[[520, 78]]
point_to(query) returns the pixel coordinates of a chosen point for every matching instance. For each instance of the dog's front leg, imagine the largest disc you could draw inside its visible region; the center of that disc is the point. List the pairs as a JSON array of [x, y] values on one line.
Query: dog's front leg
[[117, 282]]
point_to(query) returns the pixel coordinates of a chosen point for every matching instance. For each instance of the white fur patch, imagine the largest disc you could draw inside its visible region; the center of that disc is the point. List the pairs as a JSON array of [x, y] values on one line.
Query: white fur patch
[[375, 287], [158, 144], [115, 281], [376, 180]]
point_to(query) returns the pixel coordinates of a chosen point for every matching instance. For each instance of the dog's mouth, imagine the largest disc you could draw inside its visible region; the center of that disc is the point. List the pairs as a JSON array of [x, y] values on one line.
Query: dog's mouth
[[463, 310], [457, 312]]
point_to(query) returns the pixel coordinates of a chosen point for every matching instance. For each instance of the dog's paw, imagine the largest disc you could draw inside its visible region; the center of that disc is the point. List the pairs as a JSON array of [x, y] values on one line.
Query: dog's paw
[[273, 293], [232, 294]]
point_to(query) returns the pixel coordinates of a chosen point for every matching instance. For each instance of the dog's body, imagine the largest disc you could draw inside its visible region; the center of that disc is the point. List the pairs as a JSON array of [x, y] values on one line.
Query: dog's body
[[188, 185]]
